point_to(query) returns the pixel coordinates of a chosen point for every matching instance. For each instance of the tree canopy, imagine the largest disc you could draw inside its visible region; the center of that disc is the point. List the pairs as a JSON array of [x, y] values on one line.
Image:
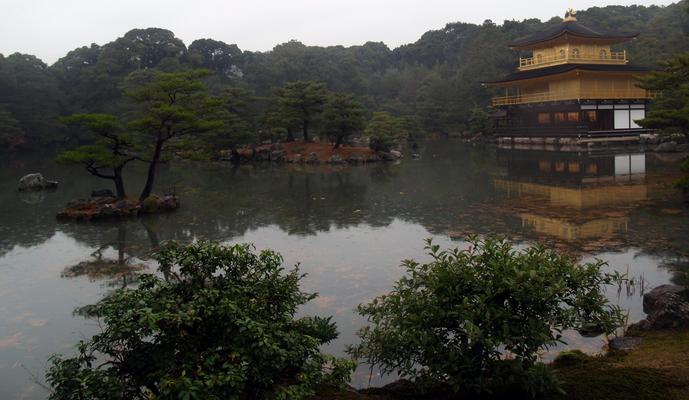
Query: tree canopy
[[112, 149], [168, 106], [670, 111], [342, 117], [434, 81]]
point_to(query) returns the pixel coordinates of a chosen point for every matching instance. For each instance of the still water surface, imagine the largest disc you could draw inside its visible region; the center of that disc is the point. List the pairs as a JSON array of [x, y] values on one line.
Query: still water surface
[[349, 227]]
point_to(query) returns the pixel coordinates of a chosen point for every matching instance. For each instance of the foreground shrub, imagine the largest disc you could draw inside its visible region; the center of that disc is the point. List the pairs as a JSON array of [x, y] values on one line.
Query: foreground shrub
[[220, 325], [473, 320]]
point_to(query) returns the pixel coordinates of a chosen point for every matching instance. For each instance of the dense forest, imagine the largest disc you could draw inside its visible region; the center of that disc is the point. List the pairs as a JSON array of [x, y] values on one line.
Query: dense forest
[[434, 83]]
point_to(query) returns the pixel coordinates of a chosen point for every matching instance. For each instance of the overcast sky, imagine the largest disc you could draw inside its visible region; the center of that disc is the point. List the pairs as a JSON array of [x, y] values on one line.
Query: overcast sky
[[51, 28]]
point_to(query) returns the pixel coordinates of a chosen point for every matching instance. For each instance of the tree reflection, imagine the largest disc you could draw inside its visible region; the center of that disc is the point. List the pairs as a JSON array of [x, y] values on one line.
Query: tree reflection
[[119, 271]]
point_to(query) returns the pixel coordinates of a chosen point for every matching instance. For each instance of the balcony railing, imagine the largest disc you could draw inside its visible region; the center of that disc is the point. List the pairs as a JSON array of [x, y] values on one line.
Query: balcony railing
[[613, 94], [572, 56]]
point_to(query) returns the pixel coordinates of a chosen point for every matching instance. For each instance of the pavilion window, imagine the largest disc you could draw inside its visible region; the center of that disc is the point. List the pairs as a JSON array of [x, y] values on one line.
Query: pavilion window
[[562, 53], [544, 118], [603, 54], [573, 116], [575, 53], [559, 117], [591, 116], [539, 58]]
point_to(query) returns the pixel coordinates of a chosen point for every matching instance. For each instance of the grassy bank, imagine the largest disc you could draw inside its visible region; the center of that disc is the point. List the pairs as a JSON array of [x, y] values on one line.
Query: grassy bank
[[658, 369]]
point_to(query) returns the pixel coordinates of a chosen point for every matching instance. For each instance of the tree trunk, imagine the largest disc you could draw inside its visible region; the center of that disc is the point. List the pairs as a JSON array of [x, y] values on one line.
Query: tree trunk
[[119, 182], [306, 130], [290, 135], [235, 158], [148, 187], [338, 142]]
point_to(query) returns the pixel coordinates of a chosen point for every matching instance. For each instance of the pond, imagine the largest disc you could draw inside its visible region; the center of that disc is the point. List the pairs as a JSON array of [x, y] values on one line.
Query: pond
[[348, 227]]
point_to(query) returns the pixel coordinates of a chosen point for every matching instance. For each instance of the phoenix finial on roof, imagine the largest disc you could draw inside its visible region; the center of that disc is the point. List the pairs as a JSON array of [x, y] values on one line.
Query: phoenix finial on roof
[[571, 15]]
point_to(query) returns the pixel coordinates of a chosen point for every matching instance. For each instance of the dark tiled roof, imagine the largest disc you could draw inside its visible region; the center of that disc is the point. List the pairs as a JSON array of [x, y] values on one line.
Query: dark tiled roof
[[573, 28], [558, 69]]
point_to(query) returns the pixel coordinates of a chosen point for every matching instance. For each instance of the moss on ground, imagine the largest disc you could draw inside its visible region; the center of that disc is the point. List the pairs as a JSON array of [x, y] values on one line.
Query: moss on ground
[[658, 369]]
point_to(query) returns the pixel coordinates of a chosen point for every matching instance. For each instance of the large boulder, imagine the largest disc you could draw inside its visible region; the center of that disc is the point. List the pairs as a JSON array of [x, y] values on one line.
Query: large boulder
[[336, 159], [35, 181], [313, 158], [666, 147], [396, 154], [154, 204], [262, 154], [355, 158], [277, 155], [652, 298], [671, 312], [667, 307]]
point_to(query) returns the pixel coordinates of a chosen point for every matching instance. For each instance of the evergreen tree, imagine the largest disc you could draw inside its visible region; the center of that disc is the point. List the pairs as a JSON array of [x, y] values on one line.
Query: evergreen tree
[[303, 99], [384, 131], [112, 149], [670, 111], [170, 106], [343, 116]]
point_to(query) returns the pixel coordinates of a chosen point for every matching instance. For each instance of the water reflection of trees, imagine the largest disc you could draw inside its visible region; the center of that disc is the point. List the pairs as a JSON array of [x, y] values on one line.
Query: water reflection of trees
[[120, 270], [450, 189]]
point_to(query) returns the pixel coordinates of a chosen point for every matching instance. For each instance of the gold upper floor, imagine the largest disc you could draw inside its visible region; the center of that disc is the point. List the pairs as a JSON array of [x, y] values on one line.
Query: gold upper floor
[[569, 53]]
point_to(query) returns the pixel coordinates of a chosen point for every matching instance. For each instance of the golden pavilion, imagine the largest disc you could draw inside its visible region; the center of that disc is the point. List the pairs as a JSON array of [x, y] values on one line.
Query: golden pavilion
[[572, 83]]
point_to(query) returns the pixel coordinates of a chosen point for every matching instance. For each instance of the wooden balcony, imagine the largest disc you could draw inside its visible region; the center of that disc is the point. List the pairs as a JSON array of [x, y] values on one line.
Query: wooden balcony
[[573, 57], [613, 94]]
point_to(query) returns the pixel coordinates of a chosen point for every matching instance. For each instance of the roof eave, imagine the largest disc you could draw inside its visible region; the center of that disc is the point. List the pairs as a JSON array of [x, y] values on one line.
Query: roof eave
[[530, 44]]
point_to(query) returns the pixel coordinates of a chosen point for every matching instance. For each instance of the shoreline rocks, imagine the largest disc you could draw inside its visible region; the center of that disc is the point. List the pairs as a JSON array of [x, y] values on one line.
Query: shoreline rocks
[[109, 207], [35, 181], [667, 307]]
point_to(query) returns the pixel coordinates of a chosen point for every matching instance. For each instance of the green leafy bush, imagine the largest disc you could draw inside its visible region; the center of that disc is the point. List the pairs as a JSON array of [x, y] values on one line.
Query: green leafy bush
[[219, 324], [473, 320], [384, 131]]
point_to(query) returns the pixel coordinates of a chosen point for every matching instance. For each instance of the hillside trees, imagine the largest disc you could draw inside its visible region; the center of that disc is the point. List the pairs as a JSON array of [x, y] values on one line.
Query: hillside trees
[[222, 58], [10, 132], [435, 80], [31, 95]]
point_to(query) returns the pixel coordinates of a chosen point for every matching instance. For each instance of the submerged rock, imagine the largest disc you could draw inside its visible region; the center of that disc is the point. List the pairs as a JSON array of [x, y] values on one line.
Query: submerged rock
[[35, 181], [624, 344]]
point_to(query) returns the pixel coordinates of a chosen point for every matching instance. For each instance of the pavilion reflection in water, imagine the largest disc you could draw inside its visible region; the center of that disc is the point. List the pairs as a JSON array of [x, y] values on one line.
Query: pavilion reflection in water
[[573, 196]]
